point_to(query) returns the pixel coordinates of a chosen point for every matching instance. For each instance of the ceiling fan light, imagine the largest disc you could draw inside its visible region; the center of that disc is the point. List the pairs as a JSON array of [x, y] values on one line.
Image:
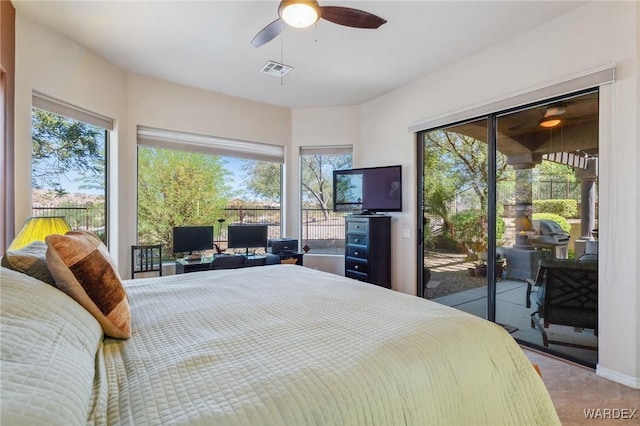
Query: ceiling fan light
[[555, 110], [551, 121], [299, 14]]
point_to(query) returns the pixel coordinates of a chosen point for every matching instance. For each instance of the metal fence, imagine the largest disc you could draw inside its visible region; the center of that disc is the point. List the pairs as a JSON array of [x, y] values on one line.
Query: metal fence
[[322, 231], [545, 190], [249, 215], [88, 216]]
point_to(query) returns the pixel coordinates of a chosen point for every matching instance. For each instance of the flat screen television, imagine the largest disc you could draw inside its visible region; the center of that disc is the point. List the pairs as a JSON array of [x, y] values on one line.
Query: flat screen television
[[247, 236], [189, 239], [368, 190]]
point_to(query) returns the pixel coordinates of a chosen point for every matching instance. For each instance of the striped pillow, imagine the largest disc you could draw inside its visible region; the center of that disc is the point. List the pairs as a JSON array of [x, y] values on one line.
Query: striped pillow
[[82, 268]]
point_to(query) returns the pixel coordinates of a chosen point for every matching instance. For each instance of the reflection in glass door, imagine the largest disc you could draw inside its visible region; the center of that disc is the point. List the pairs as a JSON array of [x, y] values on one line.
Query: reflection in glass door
[[549, 203], [455, 194], [509, 206]]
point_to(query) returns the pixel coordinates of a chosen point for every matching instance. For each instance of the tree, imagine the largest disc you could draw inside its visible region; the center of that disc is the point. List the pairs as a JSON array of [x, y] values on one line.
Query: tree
[[263, 179], [178, 188], [466, 162], [61, 145], [456, 162], [317, 179]]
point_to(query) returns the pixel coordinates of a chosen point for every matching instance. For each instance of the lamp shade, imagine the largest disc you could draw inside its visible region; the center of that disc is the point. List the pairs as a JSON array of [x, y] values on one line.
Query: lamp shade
[[37, 228], [299, 14], [551, 121]]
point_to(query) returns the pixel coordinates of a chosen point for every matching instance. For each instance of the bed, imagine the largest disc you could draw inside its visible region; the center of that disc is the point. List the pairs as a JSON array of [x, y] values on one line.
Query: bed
[[270, 345]]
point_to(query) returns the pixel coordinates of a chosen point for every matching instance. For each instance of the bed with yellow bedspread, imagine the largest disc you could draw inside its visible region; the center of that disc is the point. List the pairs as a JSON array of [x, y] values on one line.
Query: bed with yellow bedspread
[[271, 345]]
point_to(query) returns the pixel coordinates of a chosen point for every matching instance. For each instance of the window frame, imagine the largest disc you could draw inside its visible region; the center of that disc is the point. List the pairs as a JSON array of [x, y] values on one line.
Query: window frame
[[320, 150]]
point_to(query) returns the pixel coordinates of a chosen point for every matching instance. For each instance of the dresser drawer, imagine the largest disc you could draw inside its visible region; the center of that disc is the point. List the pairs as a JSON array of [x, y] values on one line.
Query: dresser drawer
[[357, 275], [357, 251], [358, 226], [359, 239], [356, 265], [367, 250]]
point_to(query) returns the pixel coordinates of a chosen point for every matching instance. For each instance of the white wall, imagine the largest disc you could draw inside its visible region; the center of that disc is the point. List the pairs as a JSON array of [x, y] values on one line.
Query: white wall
[[317, 127], [589, 37], [62, 69], [56, 66]]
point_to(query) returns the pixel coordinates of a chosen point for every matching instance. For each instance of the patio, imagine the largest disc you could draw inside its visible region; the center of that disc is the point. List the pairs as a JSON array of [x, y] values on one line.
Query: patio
[[511, 311]]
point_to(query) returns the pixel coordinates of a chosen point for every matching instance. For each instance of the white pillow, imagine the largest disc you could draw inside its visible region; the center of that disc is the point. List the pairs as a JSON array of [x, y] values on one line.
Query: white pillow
[[48, 353]]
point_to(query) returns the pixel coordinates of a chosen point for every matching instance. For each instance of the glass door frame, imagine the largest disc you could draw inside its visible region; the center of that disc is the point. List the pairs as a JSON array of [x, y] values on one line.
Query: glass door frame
[[492, 145]]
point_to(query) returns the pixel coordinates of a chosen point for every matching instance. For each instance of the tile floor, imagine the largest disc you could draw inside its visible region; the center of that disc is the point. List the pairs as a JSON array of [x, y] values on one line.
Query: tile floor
[[574, 389]]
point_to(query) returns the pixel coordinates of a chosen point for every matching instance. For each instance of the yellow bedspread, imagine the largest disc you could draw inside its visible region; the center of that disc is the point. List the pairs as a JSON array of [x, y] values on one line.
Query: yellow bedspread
[[285, 344]]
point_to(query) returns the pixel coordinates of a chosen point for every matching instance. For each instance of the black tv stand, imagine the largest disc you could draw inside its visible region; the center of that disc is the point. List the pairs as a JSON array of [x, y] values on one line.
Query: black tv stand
[[369, 213]]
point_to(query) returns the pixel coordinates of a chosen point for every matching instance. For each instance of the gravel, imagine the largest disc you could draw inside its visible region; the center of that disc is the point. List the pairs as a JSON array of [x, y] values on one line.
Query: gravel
[[452, 282]]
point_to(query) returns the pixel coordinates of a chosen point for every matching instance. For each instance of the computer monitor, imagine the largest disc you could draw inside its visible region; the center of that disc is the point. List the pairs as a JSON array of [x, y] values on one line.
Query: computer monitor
[[247, 236], [189, 239]]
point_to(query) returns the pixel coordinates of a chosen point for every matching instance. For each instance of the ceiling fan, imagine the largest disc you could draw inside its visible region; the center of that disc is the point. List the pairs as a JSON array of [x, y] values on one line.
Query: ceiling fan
[[301, 14]]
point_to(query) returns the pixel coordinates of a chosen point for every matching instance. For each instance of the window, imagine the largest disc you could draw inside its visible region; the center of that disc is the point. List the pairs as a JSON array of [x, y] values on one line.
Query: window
[[186, 179], [69, 164], [322, 228]]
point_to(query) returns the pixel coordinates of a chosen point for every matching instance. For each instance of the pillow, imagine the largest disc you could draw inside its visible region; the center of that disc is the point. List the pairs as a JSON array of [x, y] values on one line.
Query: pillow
[[30, 260], [50, 346], [82, 268]]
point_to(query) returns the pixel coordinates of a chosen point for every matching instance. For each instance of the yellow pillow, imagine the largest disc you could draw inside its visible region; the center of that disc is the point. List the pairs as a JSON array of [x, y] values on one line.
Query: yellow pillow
[[82, 268]]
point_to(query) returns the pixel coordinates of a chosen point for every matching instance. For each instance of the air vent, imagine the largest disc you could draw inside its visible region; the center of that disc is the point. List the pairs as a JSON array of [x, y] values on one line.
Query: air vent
[[275, 69]]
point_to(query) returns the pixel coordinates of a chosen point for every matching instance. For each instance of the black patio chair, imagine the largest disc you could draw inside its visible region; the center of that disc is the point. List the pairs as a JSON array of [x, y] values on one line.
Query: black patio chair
[[568, 295]]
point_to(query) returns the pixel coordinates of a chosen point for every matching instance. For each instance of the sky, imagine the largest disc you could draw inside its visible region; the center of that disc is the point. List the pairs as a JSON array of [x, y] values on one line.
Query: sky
[[71, 184]]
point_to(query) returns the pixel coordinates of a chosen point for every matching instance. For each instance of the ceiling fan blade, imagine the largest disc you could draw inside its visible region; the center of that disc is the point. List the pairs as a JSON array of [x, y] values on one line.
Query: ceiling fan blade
[[351, 17], [268, 33]]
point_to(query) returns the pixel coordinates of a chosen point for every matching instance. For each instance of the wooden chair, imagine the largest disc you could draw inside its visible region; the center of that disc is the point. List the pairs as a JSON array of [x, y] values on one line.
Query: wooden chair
[[146, 258], [569, 297]]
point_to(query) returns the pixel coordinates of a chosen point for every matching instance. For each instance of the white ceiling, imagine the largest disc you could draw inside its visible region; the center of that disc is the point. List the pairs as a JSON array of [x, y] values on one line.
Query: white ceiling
[[207, 44]]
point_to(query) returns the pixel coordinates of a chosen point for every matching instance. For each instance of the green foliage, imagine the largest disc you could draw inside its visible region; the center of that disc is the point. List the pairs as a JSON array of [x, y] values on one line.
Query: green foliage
[[564, 208], [564, 223], [61, 145], [470, 230], [178, 188], [456, 172], [556, 171], [459, 162], [264, 179]]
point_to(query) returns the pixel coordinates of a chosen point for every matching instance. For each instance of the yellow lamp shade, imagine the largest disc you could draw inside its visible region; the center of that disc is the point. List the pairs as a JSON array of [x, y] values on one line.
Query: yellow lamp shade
[[37, 228]]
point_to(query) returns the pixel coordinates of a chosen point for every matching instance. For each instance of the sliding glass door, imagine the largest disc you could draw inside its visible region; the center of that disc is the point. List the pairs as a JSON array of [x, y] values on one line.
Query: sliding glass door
[[455, 194], [509, 202]]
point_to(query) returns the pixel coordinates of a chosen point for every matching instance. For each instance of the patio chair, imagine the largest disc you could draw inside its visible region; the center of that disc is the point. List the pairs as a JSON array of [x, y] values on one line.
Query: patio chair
[[568, 295]]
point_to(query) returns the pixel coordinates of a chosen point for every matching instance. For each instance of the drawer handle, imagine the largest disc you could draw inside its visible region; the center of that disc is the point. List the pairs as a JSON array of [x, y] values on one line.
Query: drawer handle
[[355, 267], [357, 227], [356, 253], [357, 240]]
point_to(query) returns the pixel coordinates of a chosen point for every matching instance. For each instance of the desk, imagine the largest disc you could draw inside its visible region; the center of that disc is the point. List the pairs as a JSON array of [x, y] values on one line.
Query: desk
[[297, 255], [184, 266]]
